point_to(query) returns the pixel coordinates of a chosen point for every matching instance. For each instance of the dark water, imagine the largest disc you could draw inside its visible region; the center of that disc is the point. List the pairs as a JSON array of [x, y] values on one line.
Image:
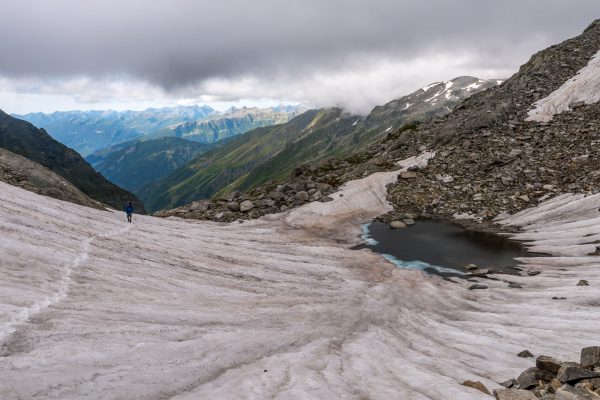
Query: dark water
[[442, 248]]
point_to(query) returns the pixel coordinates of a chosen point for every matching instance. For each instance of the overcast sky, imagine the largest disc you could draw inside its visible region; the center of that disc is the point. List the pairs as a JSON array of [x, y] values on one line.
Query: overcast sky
[[131, 54]]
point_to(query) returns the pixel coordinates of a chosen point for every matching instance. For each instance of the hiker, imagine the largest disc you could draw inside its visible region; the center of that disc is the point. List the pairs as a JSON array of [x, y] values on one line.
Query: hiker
[[129, 211]]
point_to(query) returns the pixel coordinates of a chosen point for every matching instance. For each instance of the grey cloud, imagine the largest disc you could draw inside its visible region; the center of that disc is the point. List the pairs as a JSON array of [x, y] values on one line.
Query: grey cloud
[[174, 43]]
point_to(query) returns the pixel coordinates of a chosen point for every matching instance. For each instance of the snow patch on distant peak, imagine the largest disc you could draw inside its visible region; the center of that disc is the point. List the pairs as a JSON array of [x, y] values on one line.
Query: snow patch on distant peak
[[426, 88], [583, 87], [407, 106], [356, 122], [472, 86], [389, 129]]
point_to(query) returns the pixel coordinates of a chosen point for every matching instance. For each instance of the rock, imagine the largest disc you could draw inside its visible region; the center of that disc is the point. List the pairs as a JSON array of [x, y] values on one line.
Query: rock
[[568, 392], [323, 187], [524, 198], [476, 385], [199, 206], [514, 153], [246, 206], [477, 286], [446, 179], [531, 376], [583, 282], [233, 206], [570, 372], [534, 273], [409, 221], [481, 272], [590, 356], [514, 285], [312, 191], [525, 354], [264, 203], [302, 196], [513, 394], [471, 267], [408, 175], [326, 199], [546, 363], [509, 383], [576, 104], [397, 225]]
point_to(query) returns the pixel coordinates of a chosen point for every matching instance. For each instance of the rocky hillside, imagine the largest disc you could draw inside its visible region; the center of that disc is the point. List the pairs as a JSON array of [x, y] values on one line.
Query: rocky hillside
[[134, 165], [22, 138], [24, 173], [89, 131], [271, 155], [489, 158]]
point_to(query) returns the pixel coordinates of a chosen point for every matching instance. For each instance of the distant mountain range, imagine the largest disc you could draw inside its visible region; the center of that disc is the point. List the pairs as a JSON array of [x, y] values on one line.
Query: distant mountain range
[[90, 131], [22, 138], [271, 153], [233, 122]]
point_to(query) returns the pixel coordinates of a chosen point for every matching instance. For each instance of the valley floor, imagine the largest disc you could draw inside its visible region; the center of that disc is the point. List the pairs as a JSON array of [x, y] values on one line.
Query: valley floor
[[94, 308]]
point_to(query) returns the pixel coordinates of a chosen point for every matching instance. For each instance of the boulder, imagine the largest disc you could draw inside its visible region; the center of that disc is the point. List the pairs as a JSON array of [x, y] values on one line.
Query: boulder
[[568, 392], [200, 206], [590, 356], [513, 394], [571, 372], [408, 175], [583, 282], [525, 354], [546, 363], [397, 225], [233, 206], [477, 286], [264, 203], [246, 206], [476, 385], [531, 377], [302, 196], [509, 383]]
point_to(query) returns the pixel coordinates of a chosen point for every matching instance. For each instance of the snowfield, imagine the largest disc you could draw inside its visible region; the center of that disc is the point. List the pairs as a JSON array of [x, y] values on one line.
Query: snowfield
[[583, 87], [280, 308]]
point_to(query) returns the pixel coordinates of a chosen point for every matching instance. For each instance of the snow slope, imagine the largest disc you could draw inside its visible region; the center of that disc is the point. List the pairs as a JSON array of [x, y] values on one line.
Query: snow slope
[[94, 308], [585, 87]]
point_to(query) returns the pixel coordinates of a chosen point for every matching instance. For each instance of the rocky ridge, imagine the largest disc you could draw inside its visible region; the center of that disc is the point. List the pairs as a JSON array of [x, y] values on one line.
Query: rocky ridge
[[22, 138], [29, 175], [489, 159]]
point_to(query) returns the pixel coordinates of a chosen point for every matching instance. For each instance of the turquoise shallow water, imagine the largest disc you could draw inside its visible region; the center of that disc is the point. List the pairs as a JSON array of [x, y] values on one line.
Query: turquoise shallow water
[[441, 248]]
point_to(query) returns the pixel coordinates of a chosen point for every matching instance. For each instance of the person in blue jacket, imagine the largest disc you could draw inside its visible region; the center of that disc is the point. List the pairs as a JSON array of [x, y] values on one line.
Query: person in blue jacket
[[129, 211]]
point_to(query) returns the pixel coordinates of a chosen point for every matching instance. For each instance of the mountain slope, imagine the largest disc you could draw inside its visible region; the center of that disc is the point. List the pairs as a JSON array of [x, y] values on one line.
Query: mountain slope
[[88, 131], [309, 138], [133, 165], [492, 158], [29, 175], [210, 172], [22, 138]]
